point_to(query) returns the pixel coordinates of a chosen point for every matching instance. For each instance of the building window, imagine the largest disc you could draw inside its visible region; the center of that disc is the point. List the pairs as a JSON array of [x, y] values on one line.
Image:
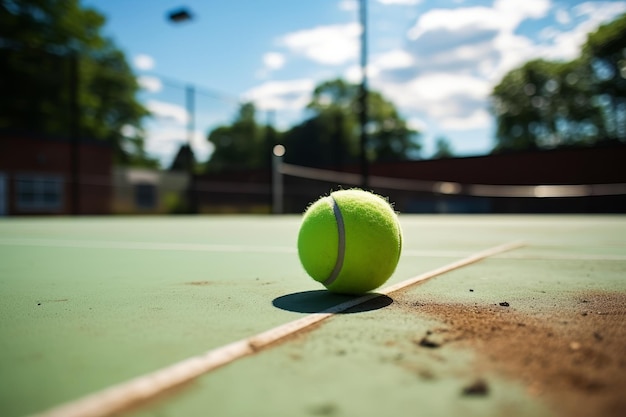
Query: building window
[[145, 196], [39, 192]]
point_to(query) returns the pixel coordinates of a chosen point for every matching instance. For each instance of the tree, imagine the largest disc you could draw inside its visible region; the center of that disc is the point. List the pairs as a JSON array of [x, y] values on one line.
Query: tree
[[331, 132], [60, 76], [542, 104], [331, 136], [545, 104], [605, 54], [185, 159], [443, 149], [240, 145]]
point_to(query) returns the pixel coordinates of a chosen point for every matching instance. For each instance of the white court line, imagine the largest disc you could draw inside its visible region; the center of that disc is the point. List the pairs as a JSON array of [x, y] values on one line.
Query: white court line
[[198, 247], [555, 256], [563, 257], [121, 397], [103, 244], [191, 247]]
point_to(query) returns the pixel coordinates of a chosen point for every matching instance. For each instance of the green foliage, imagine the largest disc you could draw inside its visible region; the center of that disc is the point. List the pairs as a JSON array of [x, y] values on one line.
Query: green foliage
[[175, 203], [241, 144], [390, 137], [108, 104], [49, 48], [605, 52], [546, 104], [57, 26], [331, 137]]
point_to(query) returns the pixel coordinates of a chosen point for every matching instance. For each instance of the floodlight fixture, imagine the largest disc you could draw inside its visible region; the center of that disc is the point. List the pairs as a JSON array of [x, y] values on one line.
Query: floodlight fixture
[[179, 15]]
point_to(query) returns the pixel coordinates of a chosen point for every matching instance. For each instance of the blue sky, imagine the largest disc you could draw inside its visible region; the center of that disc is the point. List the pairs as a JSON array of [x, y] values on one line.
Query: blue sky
[[437, 60]]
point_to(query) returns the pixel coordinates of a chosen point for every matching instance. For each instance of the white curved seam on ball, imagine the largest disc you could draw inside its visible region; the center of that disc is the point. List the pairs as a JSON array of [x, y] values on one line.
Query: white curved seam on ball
[[341, 246]]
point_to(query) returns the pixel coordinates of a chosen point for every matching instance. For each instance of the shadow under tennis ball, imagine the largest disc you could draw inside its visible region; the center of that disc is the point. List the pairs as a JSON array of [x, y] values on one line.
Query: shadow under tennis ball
[[321, 300]]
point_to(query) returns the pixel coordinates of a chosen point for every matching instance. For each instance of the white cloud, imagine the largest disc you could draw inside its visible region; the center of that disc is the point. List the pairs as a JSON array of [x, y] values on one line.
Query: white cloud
[[456, 56], [454, 21], [453, 58], [445, 86], [563, 45], [168, 111], [418, 124], [353, 74], [478, 119], [271, 61], [202, 148], [600, 11], [143, 62], [562, 16], [274, 60], [390, 60], [547, 34], [150, 83], [567, 44], [393, 59], [168, 131], [281, 95], [517, 11], [506, 15], [164, 138], [349, 5], [446, 98], [328, 45], [469, 40], [464, 35]]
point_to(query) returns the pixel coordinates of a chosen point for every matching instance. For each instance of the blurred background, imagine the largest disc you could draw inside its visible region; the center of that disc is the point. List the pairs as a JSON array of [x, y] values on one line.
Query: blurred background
[[160, 107]]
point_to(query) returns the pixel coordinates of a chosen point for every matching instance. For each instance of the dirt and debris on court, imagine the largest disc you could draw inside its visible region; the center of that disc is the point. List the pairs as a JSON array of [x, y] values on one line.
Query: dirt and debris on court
[[573, 357]]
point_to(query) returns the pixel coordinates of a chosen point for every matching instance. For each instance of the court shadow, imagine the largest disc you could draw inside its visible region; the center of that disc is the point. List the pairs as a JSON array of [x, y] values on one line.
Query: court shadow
[[320, 300]]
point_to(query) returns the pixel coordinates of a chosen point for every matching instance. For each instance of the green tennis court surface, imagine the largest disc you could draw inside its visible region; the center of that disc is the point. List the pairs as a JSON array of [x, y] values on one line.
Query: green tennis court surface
[[539, 330]]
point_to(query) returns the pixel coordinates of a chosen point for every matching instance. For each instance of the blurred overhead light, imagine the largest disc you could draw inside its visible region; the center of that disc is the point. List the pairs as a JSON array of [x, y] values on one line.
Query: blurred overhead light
[[179, 15]]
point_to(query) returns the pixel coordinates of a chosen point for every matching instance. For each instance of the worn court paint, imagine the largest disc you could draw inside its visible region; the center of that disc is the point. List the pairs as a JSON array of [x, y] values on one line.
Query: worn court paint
[[145, 388], [74, 320], [71, 317]]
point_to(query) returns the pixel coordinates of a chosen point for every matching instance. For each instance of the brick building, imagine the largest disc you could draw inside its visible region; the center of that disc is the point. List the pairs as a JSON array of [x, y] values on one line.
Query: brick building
[[44, 175]]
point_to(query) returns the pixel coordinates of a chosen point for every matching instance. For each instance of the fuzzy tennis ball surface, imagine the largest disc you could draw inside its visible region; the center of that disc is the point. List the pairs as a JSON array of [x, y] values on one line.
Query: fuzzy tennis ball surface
[[350, 241]]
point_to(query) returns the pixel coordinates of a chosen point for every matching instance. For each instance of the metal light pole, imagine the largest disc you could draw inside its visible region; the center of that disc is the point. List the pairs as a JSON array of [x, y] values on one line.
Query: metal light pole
[[190, 98], [190, 95], [180, 16], [363, 96]]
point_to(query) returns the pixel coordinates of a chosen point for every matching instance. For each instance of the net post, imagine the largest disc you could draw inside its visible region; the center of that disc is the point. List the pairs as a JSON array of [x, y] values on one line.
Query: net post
[[277, 179]]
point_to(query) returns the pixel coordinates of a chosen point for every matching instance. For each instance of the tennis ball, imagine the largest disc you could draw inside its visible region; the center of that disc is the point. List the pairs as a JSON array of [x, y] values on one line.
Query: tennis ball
[[350, 241]]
